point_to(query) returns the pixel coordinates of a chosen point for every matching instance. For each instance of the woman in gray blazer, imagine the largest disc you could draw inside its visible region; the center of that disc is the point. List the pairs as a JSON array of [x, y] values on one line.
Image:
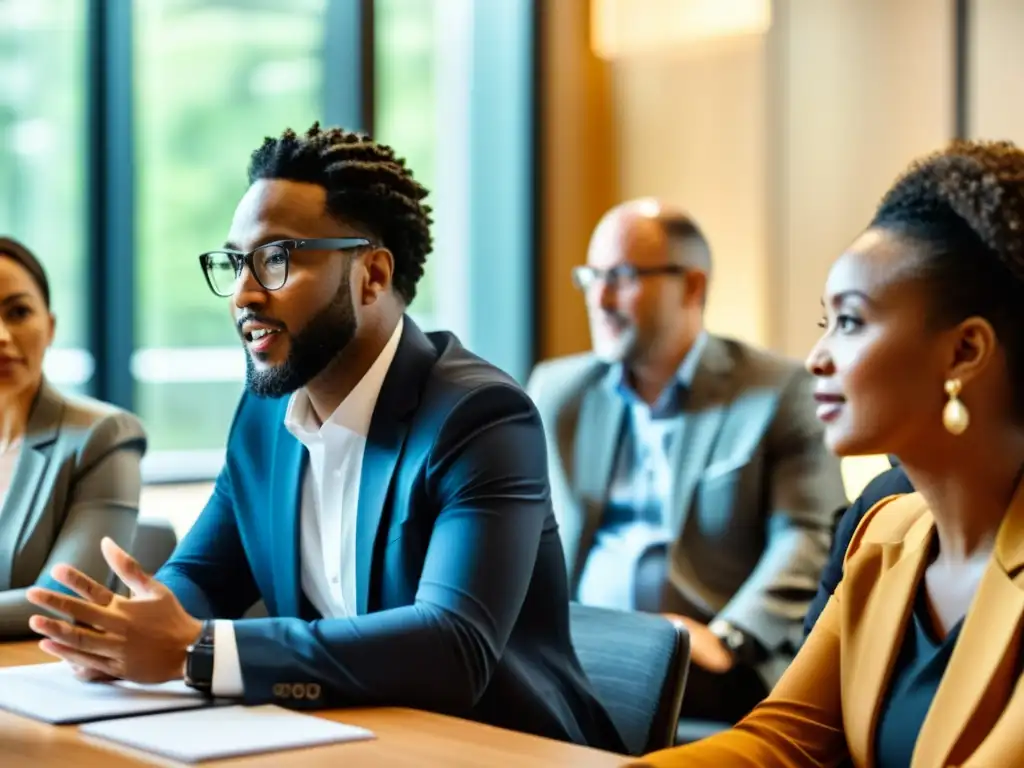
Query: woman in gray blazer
[[69, 467]]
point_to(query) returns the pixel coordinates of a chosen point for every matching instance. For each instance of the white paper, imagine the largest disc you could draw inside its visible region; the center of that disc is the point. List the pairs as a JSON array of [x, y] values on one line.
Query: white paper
[[224, 732], [51, 693]]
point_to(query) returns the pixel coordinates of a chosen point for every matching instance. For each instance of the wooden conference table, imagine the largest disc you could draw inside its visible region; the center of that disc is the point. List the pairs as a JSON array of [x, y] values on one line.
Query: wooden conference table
[[406, 738]]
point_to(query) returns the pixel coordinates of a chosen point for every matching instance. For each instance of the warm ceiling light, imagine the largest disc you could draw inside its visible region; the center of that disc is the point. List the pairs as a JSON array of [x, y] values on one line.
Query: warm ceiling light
[[623, 28]]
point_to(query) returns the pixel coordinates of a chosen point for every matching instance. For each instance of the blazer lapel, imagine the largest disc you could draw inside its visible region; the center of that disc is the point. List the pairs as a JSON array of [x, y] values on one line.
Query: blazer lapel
[[695, 436], [20, 507], [871, 654], [398, 398], [983, 666], [597, 444], [290, 460]]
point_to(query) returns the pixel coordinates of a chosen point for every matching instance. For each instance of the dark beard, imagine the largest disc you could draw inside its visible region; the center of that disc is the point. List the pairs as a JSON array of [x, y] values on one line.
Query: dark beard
[[312, 349]]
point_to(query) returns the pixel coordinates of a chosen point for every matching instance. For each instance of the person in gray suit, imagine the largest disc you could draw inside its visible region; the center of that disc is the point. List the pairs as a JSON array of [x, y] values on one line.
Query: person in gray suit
[[688, 471], [69, 467]]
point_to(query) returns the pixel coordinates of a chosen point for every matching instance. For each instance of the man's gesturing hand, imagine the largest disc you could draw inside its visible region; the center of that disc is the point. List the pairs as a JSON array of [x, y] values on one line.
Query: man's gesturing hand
[[142, 638]]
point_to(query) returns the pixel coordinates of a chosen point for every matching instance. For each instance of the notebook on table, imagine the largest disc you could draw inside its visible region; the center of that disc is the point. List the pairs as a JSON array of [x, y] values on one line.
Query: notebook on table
[[224, 732], [52, 694]]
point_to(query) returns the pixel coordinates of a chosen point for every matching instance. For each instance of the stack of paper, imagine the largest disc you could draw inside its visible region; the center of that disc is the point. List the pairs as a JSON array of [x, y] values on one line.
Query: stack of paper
[[149, 717], [225, 732], [49, 692]]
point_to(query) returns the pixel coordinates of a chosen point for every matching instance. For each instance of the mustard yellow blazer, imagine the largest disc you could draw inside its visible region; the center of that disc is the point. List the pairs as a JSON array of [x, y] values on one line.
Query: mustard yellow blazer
[[825, 707]]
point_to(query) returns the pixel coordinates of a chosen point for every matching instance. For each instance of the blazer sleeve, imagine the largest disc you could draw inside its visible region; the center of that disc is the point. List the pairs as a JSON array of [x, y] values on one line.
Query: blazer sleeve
[[209, 572], [487, 474], [891, 482], [103, 501], [804, 489]]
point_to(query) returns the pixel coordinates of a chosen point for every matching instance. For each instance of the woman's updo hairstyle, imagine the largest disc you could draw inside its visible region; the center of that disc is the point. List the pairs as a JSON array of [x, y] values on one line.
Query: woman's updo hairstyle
[[965, 207]]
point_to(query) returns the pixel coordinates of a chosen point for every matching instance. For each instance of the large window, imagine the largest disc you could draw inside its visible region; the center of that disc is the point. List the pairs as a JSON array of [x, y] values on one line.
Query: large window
[[42, 134], [125, 131], [407, 47], [212, 79], [453, 93]]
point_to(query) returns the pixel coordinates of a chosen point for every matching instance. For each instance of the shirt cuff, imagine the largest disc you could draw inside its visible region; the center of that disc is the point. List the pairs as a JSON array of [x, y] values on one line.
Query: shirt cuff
[[227, 667]]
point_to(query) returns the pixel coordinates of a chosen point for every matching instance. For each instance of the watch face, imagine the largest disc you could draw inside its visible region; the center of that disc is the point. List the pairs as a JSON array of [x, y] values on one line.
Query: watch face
[[730, 636]]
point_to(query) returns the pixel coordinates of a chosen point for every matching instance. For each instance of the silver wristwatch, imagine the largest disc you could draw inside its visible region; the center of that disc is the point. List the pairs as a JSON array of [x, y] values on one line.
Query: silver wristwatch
[[733, 639]]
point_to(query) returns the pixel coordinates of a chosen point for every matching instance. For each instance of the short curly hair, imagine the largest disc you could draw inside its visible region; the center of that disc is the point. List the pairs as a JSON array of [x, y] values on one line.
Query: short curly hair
[[965, 205], [366, 184]]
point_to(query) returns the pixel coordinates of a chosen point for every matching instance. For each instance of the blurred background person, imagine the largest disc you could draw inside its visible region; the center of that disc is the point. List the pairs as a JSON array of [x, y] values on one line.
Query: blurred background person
[[689, 471], [69, 467]]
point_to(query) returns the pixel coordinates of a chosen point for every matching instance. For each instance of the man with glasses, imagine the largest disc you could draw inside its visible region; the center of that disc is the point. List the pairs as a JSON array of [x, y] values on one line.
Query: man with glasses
[[385, 491], [688, 471]]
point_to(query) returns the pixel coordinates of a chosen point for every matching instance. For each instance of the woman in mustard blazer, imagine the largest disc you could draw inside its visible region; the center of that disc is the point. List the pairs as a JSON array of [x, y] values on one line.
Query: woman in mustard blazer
[[917, 657]]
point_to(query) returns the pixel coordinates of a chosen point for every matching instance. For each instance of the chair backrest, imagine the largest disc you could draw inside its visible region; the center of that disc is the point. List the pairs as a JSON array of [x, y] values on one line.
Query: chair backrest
[[837, 517], [154, 543], [637, 663]]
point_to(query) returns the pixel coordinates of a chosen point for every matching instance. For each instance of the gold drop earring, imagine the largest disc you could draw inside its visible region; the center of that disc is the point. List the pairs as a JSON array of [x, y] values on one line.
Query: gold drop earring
[[955, 417]]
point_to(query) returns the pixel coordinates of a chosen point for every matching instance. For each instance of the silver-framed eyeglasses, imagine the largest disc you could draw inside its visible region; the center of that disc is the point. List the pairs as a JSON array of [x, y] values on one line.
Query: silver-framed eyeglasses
[[268, 263], [621, 275]]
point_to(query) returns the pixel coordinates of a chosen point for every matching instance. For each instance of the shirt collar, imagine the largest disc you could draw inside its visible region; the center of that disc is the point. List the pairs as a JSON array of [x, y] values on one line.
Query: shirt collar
[[356, 410], [669, 401]]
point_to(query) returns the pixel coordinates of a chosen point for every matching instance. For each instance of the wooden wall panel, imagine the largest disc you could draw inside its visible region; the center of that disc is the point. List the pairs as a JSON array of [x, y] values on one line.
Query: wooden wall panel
[[579, 168]]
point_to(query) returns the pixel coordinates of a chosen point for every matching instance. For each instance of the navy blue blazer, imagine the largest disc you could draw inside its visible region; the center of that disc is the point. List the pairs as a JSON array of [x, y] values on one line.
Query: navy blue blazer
[[890, 483], [462, 600]]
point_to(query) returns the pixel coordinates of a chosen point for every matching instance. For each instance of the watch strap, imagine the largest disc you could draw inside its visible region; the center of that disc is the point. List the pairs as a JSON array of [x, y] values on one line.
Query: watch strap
[[199, 660]]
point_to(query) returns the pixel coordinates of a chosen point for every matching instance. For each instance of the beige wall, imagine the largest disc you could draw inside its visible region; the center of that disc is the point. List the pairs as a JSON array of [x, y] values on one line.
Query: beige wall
[[860, 87], [780, 145], [996, 70], [579, 168], [691, 129]]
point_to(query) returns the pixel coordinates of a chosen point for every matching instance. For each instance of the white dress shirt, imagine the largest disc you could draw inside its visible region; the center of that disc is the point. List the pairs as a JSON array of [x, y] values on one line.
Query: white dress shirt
[[328, 509]]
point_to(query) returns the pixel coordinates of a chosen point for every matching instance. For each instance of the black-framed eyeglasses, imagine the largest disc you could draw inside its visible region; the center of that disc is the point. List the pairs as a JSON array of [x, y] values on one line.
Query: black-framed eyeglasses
[[621, 275], [268, 263]]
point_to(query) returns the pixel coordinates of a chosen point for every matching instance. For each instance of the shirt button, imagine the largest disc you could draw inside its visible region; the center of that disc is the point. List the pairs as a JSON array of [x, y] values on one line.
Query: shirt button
[[335, 580], [337, 472]]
